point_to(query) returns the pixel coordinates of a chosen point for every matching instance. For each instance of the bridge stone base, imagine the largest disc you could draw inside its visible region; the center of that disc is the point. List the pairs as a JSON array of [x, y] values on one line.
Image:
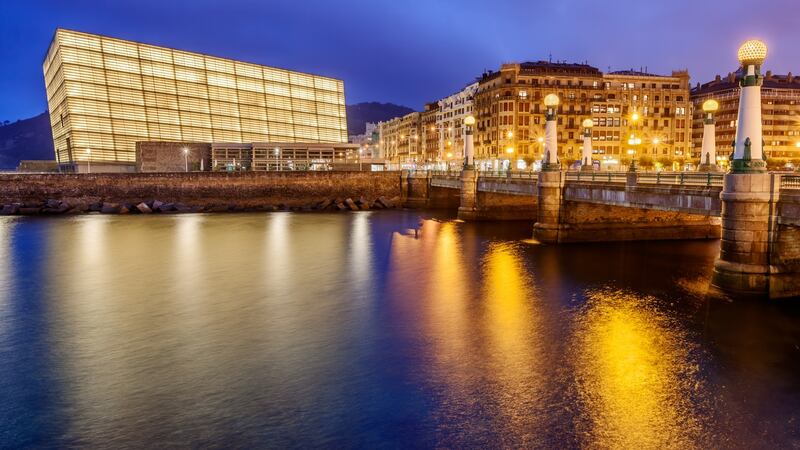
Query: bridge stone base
[[759, 255]]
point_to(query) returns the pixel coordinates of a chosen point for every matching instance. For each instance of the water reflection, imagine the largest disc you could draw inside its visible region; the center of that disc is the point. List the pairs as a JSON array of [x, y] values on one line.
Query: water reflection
[[637, 375], [372, 330]]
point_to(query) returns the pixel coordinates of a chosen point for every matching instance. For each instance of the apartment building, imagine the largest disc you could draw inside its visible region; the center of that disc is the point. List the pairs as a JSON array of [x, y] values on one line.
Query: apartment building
[[780, 113], [510, 113]]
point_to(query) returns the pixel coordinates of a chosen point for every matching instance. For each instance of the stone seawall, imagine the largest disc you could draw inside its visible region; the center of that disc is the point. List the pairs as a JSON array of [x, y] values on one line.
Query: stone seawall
[[242, 190]]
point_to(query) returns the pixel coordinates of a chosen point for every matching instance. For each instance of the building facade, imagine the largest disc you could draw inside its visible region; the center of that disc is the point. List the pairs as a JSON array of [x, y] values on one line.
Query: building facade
[[402, 141], [450, 123], [106, 94], [510, 124], [429, 132], [780, 111]]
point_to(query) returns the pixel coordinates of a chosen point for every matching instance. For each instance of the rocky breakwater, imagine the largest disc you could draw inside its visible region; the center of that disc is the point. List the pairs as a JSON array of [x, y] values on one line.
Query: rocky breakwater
[[58, 207]]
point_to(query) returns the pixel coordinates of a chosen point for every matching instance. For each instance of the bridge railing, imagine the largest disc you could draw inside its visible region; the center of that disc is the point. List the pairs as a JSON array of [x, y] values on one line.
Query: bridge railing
[[446, 173], [524, 175], [598, 176], [707, 179], [790, 182]]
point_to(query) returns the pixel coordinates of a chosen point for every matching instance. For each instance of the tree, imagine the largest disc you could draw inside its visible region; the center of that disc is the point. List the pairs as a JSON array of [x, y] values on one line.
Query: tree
[[665, 161], [646, 162]]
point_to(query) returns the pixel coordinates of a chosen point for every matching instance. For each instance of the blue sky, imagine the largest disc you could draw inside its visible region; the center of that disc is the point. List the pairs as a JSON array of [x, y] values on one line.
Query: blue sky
[[406, 52]]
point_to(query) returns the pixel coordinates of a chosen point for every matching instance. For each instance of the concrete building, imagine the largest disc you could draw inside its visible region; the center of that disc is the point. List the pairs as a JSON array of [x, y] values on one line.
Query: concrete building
[[401, 141], [450, 123], [780, 108], [510, 113], [255, 156], [369, 144], [430, 133], [106, 94]]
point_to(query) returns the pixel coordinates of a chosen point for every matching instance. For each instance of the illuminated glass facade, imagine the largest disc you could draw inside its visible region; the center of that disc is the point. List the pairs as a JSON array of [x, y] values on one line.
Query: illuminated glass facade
[[105, 94]]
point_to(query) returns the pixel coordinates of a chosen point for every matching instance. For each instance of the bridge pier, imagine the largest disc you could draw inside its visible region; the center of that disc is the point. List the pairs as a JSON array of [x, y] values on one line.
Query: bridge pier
[[550, 191], [468, 210], [749, 221]]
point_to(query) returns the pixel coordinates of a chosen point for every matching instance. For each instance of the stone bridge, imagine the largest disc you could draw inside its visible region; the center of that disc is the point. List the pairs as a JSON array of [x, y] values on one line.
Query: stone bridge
[[757, 216]]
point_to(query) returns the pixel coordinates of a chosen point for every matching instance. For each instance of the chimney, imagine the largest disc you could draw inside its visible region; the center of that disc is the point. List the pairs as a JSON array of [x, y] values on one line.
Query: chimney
[[716, 78], [769, 75], [790, 77], [731, 77]]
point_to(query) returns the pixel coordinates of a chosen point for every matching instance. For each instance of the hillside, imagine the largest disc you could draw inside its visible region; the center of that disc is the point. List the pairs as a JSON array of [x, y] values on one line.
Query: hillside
[[360, 113], [26, 139]]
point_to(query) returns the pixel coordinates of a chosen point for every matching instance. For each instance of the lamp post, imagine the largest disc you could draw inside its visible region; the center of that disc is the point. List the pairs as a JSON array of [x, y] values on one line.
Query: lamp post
[[89, 160], [469, 143], [550, 161], [748, 148], [586, 157], [186, 158], [634, 142], [510, 153], [708, 155]]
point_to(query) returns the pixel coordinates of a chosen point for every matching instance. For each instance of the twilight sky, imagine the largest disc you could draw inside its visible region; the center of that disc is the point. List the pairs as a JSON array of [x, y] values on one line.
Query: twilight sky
[[408, 51]]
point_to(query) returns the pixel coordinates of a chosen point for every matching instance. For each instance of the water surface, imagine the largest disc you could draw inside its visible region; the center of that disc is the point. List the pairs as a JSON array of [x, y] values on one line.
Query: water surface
[[377, 329]]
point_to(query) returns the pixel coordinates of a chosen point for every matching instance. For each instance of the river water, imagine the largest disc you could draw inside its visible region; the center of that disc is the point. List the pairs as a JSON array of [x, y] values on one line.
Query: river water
[[378, 329]]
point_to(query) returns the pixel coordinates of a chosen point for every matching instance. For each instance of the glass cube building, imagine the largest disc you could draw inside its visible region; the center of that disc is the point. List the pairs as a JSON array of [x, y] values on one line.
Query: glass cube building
[[106, 94]]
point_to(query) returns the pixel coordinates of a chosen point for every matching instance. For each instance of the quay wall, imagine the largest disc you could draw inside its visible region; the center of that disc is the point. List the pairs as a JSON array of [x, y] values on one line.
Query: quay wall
[[202, 189]]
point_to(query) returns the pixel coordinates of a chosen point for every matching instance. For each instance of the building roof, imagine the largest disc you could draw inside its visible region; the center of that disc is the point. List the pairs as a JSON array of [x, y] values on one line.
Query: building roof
[[731, 81]]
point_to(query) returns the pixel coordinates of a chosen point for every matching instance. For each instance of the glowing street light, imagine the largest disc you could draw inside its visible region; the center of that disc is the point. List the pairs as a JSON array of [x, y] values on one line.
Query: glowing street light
[[708, 154], [550, 162], [469, 146], [586, 157], [186, 157], [748, 151]]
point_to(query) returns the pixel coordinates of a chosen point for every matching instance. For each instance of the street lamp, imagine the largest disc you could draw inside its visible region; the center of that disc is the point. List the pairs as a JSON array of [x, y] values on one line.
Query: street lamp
[[708, 154], [510, 153], [550, 162], [89, 160], [586, 157], [469, 144], [634, 141], [748, 150], [186, 158]]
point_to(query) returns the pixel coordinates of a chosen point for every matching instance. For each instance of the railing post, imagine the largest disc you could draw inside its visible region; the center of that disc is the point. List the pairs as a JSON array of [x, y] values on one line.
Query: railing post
[[658, 177], [682, 178]]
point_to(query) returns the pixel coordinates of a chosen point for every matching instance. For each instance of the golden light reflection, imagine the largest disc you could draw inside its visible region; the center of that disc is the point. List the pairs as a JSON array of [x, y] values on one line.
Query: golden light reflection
[[636, 376], [512, 328]]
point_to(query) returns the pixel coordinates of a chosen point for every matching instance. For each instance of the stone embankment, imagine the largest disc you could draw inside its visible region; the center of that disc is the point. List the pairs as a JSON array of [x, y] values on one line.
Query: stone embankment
[[58, 207], [53, 194]]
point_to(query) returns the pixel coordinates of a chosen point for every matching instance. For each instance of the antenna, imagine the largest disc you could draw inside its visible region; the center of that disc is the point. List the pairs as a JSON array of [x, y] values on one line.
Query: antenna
[[550, 58]]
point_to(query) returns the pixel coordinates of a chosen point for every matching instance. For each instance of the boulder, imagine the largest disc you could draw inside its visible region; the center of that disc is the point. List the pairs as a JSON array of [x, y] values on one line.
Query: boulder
[[143, 208], [325, 204], [181, 208], [110, 208], [124, 210], [156, 205], [166, 207], [383, 202], [52, 204], [9, 210], [351, 204], [341, 207], [95, 207]]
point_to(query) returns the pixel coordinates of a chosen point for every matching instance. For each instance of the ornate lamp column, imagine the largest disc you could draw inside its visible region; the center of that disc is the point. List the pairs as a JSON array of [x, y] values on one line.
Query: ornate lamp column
[[748, 148], [469, 143], [586, 157], [708, 156], [634, 142], [550, 161], [469, 179], [749, 193]]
